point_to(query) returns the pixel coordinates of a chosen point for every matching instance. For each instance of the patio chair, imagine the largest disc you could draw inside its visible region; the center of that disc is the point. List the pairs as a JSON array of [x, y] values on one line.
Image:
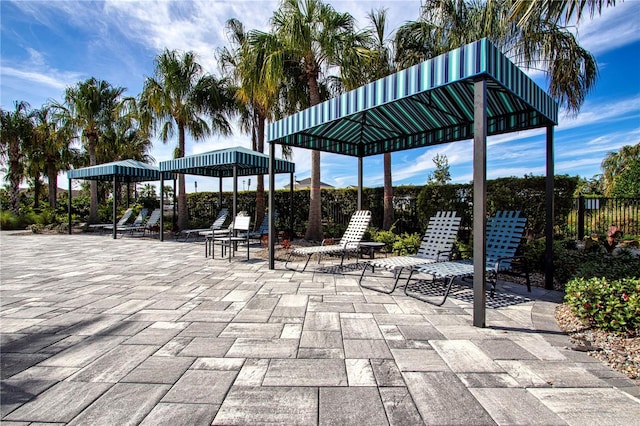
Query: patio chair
[[203, 232], [504, 232], [349, 243], [238, 233], [124, 219], [139, 220], [436, 246], [263, 229], [151, 225]]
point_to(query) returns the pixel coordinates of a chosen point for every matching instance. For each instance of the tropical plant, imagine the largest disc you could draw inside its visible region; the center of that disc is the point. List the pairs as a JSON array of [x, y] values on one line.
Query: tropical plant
[[90, 108], [15, 131], [440, 175], [311, 35], [177, 98], [529, 37], [621, 167]]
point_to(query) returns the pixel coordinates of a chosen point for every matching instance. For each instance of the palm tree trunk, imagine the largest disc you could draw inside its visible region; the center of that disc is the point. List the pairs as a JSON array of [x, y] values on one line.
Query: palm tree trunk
[[52, 178], [183, 212], [314, 228], [260, 202], [387, 221], [15, 175], [37, 186], [93, 210]]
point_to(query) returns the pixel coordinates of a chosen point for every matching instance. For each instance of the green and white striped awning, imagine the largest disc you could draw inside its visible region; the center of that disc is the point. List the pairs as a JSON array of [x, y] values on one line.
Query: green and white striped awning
[[220, 163], [121, 171], [428, 104]]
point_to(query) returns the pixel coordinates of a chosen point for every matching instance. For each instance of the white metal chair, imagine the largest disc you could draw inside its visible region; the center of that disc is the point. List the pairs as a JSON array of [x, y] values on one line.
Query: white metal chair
[[349, 242], [238, 234], [436, 246], [504, 232]]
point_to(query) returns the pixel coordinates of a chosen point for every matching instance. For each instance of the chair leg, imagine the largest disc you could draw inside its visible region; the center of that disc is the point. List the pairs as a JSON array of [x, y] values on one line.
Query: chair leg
[[450, 280], [395, 283]]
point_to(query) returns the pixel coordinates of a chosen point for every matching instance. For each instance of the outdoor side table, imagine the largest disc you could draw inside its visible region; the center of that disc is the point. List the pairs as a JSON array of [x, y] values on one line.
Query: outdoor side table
[[372, 246]]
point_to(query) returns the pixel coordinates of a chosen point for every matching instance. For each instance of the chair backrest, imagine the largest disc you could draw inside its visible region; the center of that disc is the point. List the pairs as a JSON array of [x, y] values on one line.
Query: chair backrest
[[125, 217], [264, 226], [504, 233], [355, 230], [440, 235], [241, 223], [141, 217], [220, 220], [154, 218]]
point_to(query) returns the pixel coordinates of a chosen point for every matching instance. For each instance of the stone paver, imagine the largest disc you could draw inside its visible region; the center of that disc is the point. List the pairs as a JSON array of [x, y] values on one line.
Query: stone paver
[[136, 331]]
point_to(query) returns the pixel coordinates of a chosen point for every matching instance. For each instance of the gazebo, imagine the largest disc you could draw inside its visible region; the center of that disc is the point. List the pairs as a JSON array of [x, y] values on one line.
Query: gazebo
[[468, 93], [229, 162], [125, 171]]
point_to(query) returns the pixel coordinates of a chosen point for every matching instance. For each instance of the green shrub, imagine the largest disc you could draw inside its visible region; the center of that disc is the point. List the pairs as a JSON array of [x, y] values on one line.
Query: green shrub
[[387, 237], [407, 244], [612, 305], [10, 221]]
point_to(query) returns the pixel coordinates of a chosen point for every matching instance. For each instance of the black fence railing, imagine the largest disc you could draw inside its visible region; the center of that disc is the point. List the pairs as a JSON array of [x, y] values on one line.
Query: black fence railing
[[595, 215]]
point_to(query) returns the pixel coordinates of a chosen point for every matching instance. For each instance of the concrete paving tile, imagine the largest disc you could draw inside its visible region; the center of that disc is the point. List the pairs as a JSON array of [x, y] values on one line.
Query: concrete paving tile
[[83, 352], [155, 315], [159, 369], [14, 363], [398, 319], [57, 374], [391, 332], [423, 331], [15, 392], [399, 406], [252, 372], [386, 372], [591, 406], [207, 347], [359, 372], [419, 360], [263, 348], [291, 331], [170, 304], [321, 339], [130, 306], [503, 349], [253, 315], [203, 329], [366, 349], [269, 405], [563, 374], [60, 403], [540, 348], [238, 296], [512, 406], [114, 365], [208, 316], [222, 364], [408, 344], [488, 380], [171, 414], [462, 356], [370, 307], [152, 336], [174, 347], [352, 405], [123, 404], [330, 307], [360, 328], [201, 387], [252, 330], [306, 372], [322, 321], [523, 374], [316, 353], [442, 399]]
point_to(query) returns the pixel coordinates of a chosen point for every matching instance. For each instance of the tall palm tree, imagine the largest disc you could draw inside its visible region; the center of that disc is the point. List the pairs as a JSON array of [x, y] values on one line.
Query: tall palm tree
[[535, 42], [615, 163], [565, 11], [176, 98], [90, 108], [15, 130], [312, 35]]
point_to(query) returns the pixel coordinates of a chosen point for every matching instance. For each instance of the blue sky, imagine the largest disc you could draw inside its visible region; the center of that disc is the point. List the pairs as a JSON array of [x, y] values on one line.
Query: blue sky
[[49, 45]]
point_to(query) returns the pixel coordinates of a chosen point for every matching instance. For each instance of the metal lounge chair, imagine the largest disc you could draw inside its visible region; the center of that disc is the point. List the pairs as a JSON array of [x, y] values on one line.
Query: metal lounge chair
[[504, 232], [139, 221], [263, 229], [436, 246], [203, 232], [238, 234], [349, 242], [123, 220], [150, 225]]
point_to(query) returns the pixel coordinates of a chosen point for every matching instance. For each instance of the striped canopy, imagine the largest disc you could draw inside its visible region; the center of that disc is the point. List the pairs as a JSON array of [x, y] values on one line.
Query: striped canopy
[[121, 171], [428, 104], [221, 163]]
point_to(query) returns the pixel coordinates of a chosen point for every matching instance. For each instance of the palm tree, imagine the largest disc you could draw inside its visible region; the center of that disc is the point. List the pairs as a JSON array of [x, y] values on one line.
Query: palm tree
[[15, 130], [90, 109], [176, 98], [615, 163], [535, 42], [312, 35]]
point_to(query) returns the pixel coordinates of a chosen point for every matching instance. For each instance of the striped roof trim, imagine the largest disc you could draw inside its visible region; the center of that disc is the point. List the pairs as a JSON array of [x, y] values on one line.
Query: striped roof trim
[[427, 104], [123, 171], [220, 163]]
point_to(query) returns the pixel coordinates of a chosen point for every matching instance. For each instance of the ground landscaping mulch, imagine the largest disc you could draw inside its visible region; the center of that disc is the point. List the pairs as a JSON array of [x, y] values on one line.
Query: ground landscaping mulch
[[620, 352]]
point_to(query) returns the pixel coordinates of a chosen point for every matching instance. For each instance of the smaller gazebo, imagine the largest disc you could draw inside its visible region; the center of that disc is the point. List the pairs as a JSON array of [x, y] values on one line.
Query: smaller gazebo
[[229, 162], [125, 171]]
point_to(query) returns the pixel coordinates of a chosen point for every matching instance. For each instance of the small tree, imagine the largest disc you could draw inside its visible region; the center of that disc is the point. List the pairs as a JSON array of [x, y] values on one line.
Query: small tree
[[440, 175]]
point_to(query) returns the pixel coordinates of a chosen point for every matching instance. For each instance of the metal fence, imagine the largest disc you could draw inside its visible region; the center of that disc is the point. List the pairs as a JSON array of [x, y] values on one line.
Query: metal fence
[[595, 215]]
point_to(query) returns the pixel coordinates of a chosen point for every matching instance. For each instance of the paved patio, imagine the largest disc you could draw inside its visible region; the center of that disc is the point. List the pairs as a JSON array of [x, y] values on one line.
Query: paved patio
[[97, 331]]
